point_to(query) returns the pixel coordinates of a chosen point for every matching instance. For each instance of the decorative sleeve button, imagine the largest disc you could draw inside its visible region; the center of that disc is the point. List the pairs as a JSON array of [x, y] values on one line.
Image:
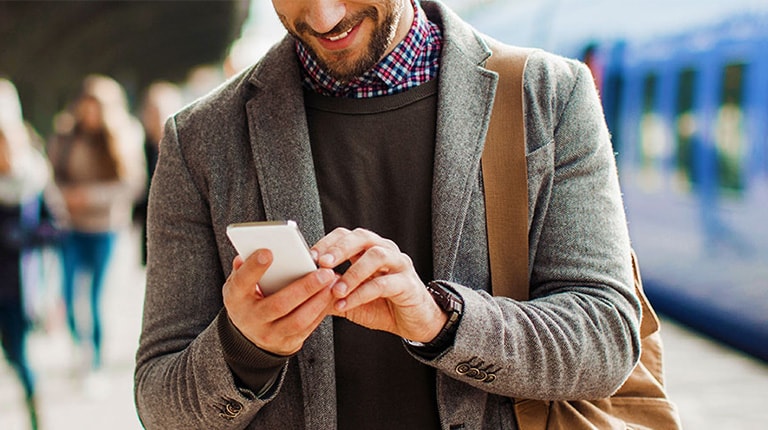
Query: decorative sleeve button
[[475, 368], [230, 409]]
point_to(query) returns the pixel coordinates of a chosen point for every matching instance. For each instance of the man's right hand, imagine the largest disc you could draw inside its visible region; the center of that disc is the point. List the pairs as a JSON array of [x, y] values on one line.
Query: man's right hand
[[282, 321]]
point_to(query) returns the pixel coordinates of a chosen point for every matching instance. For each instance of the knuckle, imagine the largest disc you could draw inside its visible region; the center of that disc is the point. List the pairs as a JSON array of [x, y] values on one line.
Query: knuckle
[[391, 244], [381, 283], [359, 296], [378, 252], [340, 231], [364, 235], [406, 259], [233, 287], [360, 231], [354, 274], [308, 285], [227, 292]]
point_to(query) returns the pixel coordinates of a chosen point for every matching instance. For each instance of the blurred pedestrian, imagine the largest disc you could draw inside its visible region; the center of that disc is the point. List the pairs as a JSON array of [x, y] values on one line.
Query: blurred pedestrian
[[24, 173], [160, 101], [591, 57], [99, 169]]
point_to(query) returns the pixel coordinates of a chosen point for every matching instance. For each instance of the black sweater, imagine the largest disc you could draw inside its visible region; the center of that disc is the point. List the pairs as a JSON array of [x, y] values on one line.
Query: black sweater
[[373, 162]]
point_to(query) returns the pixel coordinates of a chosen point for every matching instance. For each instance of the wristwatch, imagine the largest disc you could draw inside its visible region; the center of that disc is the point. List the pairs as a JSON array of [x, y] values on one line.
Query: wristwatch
[[450, 303]]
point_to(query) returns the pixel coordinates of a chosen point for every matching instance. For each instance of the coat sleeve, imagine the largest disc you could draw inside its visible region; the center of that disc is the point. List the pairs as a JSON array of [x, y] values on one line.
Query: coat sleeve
[[181, 377], [578, 336]]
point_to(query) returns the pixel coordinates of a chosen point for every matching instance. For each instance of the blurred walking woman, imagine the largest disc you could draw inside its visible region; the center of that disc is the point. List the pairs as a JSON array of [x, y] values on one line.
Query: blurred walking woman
[[24, 173], [99, 169]]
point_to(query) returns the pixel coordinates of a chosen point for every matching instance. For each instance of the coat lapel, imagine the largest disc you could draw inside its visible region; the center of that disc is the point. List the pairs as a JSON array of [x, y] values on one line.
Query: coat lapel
[[283, 158], [464, 108], [280, 143]]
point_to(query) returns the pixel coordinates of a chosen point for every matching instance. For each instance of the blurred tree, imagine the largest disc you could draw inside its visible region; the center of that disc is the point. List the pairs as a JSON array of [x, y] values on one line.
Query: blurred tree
[[47, 47]]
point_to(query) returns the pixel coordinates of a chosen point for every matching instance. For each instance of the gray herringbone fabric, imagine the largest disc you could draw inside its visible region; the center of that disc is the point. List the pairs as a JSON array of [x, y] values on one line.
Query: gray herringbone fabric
[[242, 154]]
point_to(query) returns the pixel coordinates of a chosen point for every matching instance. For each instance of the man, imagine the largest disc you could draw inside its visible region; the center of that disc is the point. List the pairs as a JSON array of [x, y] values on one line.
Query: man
[[366, 125]]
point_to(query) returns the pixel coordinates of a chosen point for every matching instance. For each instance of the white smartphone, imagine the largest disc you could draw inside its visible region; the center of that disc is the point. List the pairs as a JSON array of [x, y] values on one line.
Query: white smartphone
[[291, 259]]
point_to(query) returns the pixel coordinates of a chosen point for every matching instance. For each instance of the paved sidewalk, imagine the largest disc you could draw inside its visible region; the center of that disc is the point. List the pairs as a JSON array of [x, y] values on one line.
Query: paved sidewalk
[[715, 387]]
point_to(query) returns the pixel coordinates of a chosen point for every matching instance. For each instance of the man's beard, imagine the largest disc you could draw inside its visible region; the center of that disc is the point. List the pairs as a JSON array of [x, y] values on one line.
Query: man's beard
[[340, 66]]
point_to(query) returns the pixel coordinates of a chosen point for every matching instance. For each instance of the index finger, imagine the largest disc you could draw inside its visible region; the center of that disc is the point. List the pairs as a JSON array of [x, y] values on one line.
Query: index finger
[[341, 245], [296, 294], [321, 248]]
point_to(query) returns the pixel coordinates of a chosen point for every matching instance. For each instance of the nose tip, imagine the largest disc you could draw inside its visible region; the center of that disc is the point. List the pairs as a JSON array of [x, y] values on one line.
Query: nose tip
[[323, 16]]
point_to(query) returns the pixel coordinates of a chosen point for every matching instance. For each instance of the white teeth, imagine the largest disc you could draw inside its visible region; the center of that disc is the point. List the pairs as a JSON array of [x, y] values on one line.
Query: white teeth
[[339, 37]]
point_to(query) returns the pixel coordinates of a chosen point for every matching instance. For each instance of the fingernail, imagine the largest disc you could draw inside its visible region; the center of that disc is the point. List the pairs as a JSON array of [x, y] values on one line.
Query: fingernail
[[324, 276], [262, 257], [341, 289], [340, 305], [326, 260], [313, 253]]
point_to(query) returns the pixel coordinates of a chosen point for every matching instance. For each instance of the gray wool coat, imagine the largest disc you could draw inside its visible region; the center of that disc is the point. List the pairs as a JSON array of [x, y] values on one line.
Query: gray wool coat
[[242, 154]]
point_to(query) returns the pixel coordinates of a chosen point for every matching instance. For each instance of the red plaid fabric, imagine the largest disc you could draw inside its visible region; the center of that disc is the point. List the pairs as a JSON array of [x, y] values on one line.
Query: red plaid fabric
[[414, 61]]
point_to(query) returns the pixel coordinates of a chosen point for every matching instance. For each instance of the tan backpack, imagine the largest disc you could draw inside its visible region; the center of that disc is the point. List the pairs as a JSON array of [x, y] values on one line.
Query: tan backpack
[[641, 403]]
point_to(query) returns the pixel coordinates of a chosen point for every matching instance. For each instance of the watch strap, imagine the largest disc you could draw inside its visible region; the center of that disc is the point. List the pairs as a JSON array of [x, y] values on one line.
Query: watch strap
[[453, 305]]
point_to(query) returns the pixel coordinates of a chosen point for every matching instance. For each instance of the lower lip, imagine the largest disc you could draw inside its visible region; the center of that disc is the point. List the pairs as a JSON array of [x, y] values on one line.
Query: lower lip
[[335, 45]]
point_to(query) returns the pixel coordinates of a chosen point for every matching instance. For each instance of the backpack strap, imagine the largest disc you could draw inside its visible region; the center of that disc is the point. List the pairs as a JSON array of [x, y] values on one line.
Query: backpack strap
[[505, 175]]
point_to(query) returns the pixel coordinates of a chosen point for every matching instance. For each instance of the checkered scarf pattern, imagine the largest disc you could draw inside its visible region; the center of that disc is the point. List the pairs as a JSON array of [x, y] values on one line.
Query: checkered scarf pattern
[[414, 61]]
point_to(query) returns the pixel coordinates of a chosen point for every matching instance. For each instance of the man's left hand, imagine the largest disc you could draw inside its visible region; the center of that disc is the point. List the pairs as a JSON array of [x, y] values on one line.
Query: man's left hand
[[380, 290]]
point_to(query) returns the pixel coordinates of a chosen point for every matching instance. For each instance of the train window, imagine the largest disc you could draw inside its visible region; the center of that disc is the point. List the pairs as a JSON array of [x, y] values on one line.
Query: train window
[[654, 144], [649, 91], [647, 134], [686, 127], [729, 130]]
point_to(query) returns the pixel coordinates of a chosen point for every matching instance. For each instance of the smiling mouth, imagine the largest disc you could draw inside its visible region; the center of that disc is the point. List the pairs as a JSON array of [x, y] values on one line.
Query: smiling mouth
[[339, 36]]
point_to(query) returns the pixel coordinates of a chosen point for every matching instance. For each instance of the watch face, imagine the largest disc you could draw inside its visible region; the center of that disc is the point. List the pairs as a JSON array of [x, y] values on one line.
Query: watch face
[[451, 304], [446, 299], [438, 294]]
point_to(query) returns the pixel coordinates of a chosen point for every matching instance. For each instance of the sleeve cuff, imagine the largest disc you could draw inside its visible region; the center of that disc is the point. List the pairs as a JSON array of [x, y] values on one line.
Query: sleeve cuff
[[254, 368]]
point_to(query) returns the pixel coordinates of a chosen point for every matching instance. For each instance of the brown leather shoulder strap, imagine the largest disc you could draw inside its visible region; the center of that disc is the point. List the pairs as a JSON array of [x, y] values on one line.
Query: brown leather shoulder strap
[[505, 176]]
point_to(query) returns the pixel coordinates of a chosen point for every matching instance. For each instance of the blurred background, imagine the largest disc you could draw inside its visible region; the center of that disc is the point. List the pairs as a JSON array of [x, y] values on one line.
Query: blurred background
[[684, 84]]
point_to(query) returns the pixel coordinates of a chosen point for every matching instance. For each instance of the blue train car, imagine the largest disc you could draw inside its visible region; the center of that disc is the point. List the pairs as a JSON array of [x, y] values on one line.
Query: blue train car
[[688, 111], [689, 115]]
